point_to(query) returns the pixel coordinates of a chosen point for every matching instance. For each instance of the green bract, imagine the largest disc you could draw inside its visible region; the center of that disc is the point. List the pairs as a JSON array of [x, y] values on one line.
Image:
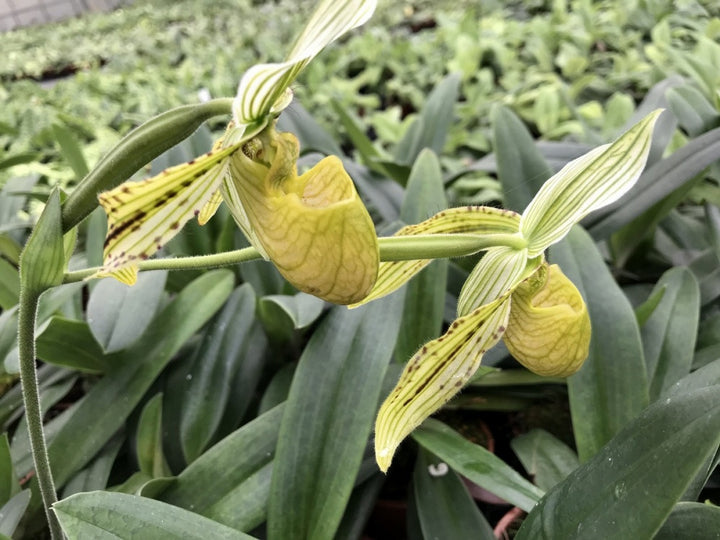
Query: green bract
[[511, 292]]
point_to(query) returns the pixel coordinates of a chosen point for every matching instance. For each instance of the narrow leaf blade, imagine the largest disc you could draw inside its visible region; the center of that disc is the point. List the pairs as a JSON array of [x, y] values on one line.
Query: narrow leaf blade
[[477, 464], [106, 515], [628, 489], [328, 418]]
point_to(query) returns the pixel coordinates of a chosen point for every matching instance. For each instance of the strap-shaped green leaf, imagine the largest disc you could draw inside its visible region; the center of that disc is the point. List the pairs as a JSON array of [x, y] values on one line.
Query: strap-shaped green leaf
[[105, 515], [263, 87], [435, 374], [587, 183]]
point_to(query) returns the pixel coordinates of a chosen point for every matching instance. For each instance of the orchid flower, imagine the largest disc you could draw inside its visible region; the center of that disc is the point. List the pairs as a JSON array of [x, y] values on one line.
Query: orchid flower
[[313, 227], [512, 293]]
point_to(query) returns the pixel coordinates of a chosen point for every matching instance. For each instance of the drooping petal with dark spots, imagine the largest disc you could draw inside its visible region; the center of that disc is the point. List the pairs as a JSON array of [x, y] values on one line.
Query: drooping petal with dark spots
[[435, 374], [143, 216]]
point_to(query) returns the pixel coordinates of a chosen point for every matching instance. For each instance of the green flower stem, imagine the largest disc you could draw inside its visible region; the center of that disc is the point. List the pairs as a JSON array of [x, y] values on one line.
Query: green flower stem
[[27, 313], [439, 246], [392, 248]]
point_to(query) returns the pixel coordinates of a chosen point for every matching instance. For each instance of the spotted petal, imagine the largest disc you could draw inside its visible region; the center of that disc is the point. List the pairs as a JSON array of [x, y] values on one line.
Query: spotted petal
[[435, 374], [587, 183], [483, 220], [143, 216], [263, 89]]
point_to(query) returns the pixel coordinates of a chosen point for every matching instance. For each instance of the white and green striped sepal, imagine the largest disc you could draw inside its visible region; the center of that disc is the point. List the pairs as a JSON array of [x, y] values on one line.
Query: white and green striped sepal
[[586, 184], [264, 88]]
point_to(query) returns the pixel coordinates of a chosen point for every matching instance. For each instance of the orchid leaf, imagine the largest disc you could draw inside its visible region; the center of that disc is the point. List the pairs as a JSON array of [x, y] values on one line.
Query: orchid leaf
[[214, 364], [548, 329], [521, 167], [445, 508], [690, 521], [236, 462], [149, 440], [611, 387], [430, 127], [12, 513], [435, 374], [103, 410], [469, 219], [105, 515], [630, 486], [328, 418], [477, 464], [670, 332], [592, 181], [118, 315], [547, 459]]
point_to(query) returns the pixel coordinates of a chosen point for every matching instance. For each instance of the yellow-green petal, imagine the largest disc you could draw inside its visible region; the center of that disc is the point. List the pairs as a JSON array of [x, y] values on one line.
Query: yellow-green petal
[[548, 330], [586, 184], [483, 220], [313, 227], [435, 374], [143, 216]]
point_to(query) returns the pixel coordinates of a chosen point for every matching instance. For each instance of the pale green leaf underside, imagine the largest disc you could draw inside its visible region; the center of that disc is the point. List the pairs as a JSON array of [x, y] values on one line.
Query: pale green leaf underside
[[587, 183]]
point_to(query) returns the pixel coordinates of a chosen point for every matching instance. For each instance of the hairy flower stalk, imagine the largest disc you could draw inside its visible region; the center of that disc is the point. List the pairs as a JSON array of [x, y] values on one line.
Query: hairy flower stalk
[[512, 294], [314, 227]]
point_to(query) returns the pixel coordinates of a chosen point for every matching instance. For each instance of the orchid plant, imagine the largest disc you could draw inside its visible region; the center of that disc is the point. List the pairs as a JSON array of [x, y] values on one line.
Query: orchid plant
[[315, 229], [292, 220], [319, 235]]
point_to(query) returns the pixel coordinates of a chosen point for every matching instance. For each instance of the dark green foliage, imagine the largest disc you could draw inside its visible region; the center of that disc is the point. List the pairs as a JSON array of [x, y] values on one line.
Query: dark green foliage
[[223, 403]]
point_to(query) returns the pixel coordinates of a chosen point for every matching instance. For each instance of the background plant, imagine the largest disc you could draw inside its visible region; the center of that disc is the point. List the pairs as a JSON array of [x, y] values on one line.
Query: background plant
[[136, 386]]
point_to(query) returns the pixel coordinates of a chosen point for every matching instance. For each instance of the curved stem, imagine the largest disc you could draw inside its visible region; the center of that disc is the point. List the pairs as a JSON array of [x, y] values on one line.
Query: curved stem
[[27, 313], [440, 246], [392, 248]]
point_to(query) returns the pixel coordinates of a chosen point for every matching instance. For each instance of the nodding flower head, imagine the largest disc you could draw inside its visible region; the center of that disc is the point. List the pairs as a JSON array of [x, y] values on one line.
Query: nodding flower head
[[313, 226], [512, 293]]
